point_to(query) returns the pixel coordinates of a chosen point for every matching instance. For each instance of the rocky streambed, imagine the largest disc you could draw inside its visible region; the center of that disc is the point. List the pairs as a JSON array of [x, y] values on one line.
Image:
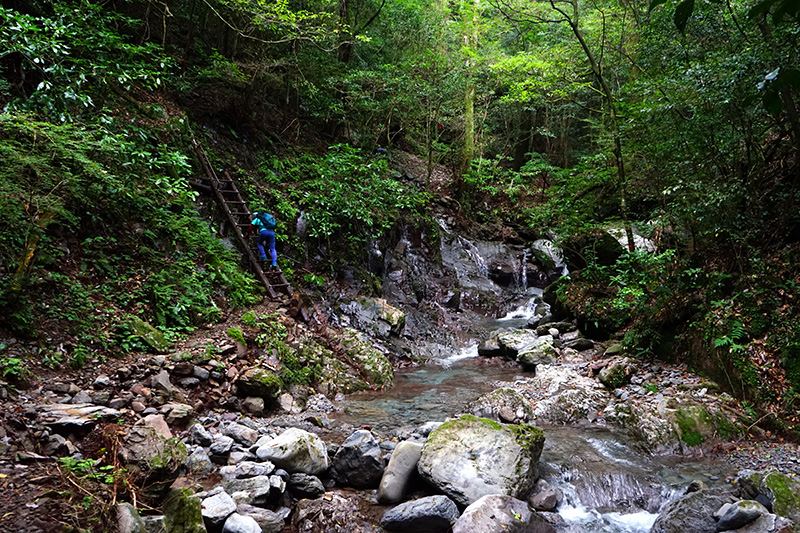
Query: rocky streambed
[[514, 424]]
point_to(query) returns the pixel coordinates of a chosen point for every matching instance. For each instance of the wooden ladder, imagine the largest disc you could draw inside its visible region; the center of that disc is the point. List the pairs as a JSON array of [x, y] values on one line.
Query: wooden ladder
[[238, 215]]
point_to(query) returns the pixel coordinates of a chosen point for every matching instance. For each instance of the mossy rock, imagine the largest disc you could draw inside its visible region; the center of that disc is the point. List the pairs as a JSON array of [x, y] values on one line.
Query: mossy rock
[[182, 513], [154, 338], [259, 382], [694, 425], [375, 367], [783, 491]]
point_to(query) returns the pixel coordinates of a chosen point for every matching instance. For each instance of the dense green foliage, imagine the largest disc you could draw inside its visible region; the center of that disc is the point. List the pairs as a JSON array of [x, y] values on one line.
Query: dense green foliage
[[679, 122]]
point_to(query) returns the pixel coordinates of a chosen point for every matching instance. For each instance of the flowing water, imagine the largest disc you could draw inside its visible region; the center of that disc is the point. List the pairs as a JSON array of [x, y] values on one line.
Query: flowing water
[[607, 486]]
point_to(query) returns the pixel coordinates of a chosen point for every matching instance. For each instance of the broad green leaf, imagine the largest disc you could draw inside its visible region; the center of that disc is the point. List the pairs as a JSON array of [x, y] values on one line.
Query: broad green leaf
[[682, 14]]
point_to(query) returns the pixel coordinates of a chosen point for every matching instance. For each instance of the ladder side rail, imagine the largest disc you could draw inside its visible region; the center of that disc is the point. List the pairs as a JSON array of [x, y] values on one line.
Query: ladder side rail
[[232, 220]]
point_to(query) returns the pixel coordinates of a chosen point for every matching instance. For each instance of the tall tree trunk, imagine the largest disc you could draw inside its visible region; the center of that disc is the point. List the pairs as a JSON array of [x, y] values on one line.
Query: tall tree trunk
[[345, 50], [613, 122], [470, 14]]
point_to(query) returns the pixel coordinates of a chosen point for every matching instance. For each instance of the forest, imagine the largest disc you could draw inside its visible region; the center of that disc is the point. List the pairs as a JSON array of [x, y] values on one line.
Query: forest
[[675, 123]]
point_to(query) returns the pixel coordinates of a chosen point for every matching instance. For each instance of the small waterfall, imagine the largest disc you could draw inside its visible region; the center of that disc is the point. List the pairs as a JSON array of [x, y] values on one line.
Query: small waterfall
[[524, 271], [475, 254]]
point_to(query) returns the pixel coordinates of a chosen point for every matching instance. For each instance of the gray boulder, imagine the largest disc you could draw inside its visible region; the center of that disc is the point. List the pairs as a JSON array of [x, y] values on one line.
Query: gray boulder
[[767, 523], [490, 347], [740, 514], [513, 341], [200, 435], [247, 469], [253, 490], [495, 513], [547, 500], [541, 352], [241, 434], [215, 509], [430, 515], [471, 457], [268, 521], [237, 523], [359, 462], [305, 486], [781, 491], [198, 462], [399, 472], [128, 519], [296, 450]]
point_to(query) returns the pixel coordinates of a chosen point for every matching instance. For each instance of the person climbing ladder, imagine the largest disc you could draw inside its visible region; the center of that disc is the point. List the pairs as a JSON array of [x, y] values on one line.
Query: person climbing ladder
[[265, 225]]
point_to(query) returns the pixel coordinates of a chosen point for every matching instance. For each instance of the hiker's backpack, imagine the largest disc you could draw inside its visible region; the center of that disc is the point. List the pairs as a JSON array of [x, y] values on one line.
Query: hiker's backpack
[[267, 220]]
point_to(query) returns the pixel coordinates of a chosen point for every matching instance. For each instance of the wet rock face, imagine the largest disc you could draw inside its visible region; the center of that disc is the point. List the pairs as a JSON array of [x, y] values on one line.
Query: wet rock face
[[471, 457]]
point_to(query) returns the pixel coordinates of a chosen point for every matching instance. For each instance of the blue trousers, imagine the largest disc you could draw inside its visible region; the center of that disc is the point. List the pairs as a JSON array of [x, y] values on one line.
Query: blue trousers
[[266, 237]]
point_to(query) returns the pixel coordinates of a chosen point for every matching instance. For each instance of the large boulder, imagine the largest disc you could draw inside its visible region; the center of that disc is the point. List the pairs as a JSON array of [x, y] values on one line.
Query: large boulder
[[470, 457], [513, 341], [568, 396], [237, 523], [268, 521], [215, 509], [296, 450], [495, 513], [399, 472], [151, 454], [740, 514], [429, 515], [305, 486], [358, 462]]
